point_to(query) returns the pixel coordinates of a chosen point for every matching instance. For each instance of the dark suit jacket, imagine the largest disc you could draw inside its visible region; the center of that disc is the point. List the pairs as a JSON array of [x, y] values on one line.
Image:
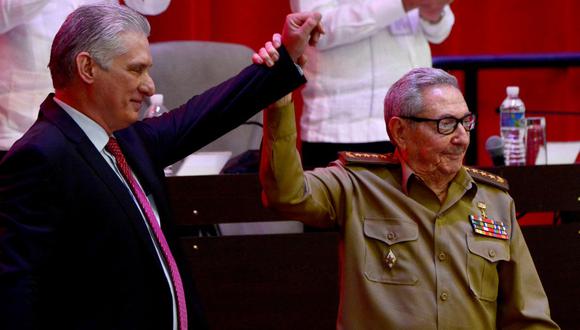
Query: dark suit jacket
[[74, 250]]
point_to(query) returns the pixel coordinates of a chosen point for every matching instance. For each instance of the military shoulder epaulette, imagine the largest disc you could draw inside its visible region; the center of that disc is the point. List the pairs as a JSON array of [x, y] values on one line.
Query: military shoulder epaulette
[[350, 158], [489, 178]]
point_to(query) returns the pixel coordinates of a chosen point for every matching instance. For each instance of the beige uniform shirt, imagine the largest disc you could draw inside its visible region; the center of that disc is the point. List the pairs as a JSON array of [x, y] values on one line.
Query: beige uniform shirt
[[407, 261]]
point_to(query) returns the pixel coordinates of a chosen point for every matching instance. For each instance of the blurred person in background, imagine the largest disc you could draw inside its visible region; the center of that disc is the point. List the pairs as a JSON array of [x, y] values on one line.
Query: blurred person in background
[[367, 46]]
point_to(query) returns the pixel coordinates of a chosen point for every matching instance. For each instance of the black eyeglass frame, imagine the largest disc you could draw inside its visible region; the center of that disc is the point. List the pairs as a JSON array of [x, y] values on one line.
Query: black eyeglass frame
[[467, 125]]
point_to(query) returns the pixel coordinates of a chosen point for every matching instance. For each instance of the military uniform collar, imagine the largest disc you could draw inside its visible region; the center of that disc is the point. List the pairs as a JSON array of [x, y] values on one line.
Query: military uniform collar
[[406, 171], [462, 178]]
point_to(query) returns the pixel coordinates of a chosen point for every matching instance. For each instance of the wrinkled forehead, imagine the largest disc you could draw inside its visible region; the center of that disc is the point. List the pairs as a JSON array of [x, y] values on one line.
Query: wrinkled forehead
[[135, 48], [443, 100]]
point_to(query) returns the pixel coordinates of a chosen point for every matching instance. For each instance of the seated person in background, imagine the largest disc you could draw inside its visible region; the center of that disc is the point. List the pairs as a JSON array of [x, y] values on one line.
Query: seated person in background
[[83, 209], [425, 242]]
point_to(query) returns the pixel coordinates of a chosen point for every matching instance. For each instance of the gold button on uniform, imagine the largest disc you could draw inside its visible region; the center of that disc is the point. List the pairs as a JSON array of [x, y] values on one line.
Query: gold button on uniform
[[442, 256], [491, 253], [391, 236], [444, 296]]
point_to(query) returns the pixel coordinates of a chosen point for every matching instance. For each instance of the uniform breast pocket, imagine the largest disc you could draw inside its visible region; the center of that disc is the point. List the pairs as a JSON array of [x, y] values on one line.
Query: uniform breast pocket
[[389, 246], [483, 258]]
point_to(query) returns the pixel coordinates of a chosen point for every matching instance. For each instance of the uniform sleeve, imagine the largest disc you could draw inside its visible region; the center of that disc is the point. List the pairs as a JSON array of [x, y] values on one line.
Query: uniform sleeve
[[16, 12], [522, 303], [312, 197], [438, 32], [349, 22]]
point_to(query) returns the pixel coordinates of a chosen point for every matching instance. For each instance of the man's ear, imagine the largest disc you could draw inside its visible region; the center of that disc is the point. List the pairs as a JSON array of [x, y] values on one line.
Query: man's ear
[[85, 67], [398, 132]]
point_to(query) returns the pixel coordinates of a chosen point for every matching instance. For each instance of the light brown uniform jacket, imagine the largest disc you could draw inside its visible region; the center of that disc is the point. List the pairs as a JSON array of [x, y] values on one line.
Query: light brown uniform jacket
[[443, 275]]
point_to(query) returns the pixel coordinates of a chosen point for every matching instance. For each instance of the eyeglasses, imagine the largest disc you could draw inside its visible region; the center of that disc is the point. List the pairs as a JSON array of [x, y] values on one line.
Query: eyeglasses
[[448, 125]]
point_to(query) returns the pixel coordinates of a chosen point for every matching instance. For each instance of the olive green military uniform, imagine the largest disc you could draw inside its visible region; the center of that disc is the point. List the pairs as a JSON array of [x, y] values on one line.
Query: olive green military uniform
[[408, 261]]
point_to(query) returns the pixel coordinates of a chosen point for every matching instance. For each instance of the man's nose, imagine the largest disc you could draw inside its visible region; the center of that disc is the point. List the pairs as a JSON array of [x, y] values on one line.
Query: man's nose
[[147, 87], [460, 136]]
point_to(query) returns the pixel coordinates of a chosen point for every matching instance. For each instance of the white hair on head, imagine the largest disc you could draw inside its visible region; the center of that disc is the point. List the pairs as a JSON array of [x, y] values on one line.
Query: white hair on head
[[404, 98], [97, 30]]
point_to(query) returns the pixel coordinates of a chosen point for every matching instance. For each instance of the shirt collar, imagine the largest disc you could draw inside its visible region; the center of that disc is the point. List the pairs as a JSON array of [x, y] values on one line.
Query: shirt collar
[[464, 179], [94, 131]]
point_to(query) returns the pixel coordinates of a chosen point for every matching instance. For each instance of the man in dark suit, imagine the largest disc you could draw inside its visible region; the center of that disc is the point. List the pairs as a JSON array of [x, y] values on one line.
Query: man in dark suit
[[81, 194]]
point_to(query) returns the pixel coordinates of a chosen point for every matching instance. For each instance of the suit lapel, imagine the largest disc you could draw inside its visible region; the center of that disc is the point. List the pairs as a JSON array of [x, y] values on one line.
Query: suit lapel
[[52, 112]]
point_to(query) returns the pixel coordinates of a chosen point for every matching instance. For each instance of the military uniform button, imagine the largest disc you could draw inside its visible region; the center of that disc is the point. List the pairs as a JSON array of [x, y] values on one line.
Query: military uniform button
[[491, 253], [442, 256], [444, 296], [391, 236]]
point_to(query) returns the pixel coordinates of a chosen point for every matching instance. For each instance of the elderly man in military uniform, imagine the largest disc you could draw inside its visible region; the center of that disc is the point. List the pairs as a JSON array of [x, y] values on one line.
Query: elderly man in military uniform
[[426, 243]]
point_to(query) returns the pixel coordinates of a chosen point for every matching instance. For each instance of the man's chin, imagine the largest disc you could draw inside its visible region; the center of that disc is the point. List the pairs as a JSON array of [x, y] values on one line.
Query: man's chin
[[133, 116], [451, 168], [126, 123]]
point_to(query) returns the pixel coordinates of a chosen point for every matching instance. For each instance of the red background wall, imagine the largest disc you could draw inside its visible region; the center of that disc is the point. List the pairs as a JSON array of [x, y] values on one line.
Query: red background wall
[[482, 27]]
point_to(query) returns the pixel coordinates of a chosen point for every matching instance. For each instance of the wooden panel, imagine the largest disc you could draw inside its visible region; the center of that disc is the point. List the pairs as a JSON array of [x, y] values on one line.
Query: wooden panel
[[555, 250], [267, 282], [543, 188], [236, 198], [217, 199]]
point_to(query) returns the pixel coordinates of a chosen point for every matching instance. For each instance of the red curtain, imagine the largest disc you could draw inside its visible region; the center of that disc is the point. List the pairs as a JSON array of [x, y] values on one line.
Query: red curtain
[[249, 22], [482, 27]]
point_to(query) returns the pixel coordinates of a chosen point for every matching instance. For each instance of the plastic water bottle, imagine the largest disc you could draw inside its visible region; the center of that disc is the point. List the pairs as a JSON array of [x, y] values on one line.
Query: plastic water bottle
[[156, 108], [513, 127]]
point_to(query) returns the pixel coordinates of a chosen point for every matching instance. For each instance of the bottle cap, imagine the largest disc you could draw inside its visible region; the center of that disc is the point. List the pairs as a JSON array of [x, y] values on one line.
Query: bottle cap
[[512, 91], [156, 99]]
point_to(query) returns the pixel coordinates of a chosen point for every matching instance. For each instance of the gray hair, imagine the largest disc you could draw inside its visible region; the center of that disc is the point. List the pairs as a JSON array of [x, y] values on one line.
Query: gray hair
[[404, 98], [95, 29]]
